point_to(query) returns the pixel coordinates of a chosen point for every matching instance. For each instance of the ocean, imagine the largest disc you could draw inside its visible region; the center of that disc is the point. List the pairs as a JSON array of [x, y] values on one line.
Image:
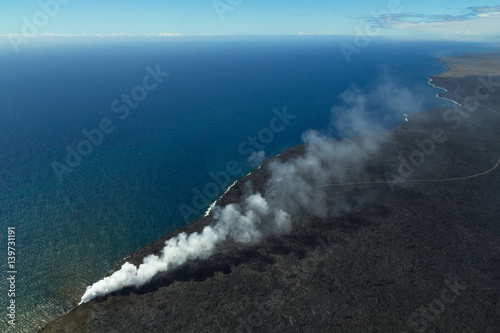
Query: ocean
[[106, 145]]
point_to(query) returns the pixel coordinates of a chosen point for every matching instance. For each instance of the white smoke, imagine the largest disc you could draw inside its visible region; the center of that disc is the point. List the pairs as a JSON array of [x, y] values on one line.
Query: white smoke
[[257, 158], [293, 187], [296, 186], [244, 223]]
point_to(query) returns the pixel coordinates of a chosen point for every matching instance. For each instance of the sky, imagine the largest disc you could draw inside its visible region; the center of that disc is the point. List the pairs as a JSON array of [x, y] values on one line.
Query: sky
[[445, 19]]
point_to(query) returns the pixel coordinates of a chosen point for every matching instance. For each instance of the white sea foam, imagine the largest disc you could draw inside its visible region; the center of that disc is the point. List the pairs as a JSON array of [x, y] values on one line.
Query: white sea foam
[[212, 205], [446, 90]]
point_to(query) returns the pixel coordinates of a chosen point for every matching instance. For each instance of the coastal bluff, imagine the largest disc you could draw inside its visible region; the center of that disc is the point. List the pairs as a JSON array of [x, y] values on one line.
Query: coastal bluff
[[420, 253]]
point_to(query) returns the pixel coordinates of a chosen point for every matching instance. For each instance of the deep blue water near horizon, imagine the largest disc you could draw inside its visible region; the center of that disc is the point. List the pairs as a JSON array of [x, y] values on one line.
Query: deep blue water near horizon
[[127, 192]]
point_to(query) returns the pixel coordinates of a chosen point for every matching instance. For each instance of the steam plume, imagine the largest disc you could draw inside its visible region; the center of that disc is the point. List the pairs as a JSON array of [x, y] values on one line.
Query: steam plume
[[291, 189], [244, 223]]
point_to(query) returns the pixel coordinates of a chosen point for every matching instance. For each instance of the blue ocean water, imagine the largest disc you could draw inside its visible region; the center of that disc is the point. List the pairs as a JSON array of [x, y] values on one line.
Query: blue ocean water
[[143, 177]]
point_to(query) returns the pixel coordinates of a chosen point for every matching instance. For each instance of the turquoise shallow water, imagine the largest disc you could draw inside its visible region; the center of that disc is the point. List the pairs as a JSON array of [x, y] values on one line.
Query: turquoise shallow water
[[129, 189]]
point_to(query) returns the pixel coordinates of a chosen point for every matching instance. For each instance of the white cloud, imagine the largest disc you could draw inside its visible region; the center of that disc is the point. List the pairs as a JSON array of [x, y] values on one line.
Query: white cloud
[[489, 25], [489, 14], [161, 34], [477, 21], [317, 34]]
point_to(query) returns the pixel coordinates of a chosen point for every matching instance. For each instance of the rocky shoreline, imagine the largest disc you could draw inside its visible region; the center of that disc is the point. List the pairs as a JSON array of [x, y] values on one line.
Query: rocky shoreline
[[413, 256]]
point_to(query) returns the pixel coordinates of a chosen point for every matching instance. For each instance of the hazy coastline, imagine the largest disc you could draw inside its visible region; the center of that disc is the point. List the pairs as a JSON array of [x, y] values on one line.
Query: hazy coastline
[[418, 128]]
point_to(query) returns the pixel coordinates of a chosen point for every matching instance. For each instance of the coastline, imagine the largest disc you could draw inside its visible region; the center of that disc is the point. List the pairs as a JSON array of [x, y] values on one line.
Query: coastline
[[445, 90], [234, 192], [213, 204], [225, 198]]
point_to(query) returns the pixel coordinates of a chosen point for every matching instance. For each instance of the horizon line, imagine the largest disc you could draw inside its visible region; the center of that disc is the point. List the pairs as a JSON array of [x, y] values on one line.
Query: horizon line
[[174, 34]]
